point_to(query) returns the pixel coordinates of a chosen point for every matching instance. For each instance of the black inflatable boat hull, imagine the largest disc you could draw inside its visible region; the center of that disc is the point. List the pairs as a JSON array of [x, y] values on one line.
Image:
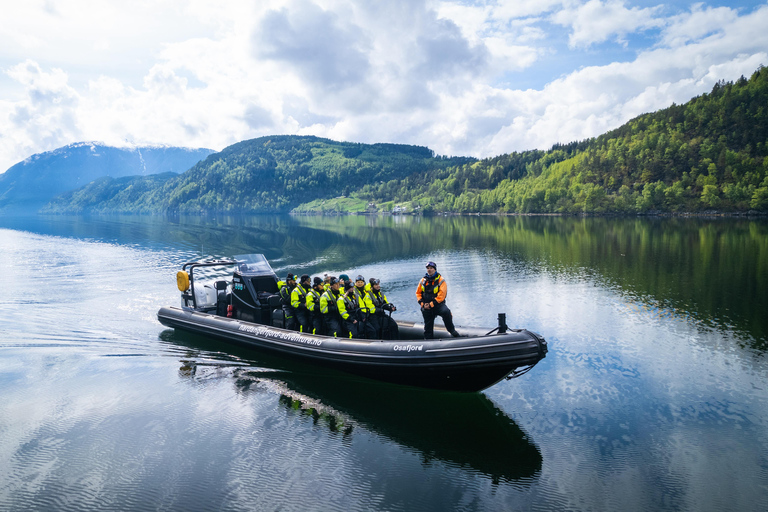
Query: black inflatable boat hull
[[470, 363]]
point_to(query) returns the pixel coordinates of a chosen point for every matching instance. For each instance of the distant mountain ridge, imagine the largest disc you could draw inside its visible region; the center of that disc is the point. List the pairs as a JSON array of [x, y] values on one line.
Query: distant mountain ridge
[[33, 182], [270, 174]]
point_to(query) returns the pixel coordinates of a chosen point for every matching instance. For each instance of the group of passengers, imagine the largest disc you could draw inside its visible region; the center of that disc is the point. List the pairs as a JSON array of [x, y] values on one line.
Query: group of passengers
[[336, 306]]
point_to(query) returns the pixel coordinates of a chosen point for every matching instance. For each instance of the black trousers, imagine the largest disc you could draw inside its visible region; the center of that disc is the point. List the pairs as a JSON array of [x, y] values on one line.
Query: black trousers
[[334, 325], [351, 327], [430, 314], [389, 329], [303, 320], [290, 318], [318, 326], [385, 326]]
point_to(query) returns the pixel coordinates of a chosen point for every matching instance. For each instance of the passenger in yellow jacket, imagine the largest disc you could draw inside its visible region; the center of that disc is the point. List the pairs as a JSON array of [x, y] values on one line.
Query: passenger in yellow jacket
[[313, 306], [330, 310], [299, 304], [349, 309], [367, 325], [378, 304]]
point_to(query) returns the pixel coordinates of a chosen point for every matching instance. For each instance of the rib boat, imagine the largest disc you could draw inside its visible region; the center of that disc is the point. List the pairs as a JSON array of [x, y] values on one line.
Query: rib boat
[[246, 310]]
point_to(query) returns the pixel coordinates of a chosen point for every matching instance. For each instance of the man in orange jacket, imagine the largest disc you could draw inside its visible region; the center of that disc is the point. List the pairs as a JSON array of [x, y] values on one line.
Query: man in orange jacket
[[431, 294]]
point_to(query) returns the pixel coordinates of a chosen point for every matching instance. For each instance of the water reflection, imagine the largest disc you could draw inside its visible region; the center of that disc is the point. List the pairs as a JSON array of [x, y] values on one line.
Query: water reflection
[[713, 271], [464, 430]]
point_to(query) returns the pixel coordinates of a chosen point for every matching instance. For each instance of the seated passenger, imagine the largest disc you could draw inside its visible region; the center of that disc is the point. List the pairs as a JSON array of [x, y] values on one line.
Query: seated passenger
[[299, 304], [349, 310], [330, 310], [313, 306], [378, 304]]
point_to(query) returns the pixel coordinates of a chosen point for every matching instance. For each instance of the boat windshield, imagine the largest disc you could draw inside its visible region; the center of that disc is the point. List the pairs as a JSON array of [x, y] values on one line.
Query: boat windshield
[[253, 264]]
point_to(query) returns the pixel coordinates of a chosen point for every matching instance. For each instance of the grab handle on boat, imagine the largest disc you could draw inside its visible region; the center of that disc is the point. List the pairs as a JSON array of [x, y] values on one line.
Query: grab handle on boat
[[503, 323], [502, 327]]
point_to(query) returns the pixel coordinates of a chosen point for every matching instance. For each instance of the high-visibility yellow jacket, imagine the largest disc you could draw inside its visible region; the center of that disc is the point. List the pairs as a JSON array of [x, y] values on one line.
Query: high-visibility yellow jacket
[[313, 300], [328, 301], [375, 301], [299, 297], [347, 306]]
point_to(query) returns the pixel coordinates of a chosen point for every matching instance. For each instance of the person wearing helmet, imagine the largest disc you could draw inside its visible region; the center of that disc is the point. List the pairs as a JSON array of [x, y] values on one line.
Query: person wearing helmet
[[313, 305], [386, 327], [299, 304], [329, 308], [285, 297], [431, 294]]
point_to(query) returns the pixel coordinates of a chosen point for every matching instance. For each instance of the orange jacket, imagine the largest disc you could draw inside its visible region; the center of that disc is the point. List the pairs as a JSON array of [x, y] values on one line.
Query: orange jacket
[[440, 289]]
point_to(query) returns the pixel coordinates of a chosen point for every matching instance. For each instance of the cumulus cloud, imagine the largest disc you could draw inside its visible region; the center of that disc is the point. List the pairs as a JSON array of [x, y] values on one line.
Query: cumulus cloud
[[325, 48], [47, 115], [694, 25], [597, 21]]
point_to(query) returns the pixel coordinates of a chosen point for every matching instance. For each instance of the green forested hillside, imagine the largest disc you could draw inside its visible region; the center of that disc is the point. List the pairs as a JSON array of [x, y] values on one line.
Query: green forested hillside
[[709, 154], [269, 174]]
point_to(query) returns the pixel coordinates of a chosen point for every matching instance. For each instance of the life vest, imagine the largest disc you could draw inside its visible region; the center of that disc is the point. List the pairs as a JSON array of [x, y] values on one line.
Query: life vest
[[329, 304], [347, 306], [429, 293], [376, 301], [285, 294], [298, 296], [361, 300], [313, 300]]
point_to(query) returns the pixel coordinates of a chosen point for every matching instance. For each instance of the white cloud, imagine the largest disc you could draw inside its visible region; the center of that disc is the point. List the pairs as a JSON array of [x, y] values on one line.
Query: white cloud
[[48, 114], [696, 24], [597, 21]]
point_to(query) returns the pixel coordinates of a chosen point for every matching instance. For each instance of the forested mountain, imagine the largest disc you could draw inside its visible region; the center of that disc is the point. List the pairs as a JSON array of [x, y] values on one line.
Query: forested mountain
[[709, 154], [264, 175], [30, 184]]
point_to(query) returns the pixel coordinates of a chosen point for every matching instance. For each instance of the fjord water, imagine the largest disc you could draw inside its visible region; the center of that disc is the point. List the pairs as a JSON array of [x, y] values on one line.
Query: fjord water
[[653, 395]]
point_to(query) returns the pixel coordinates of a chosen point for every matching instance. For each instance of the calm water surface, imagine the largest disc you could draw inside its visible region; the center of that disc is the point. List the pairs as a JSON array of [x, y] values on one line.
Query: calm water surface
[[653, 395]]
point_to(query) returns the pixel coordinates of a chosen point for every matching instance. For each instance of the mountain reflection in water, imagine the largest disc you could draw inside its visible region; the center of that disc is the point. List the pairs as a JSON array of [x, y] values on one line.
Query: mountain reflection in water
[[712, 271]]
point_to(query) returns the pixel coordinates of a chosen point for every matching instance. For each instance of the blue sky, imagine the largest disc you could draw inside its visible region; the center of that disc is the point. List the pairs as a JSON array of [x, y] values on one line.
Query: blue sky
[[463, 78]]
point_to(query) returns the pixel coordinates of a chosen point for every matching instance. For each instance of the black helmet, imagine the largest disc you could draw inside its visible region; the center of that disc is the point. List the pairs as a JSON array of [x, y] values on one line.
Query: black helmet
[[316, 281], [304, 277], [432, 264]]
